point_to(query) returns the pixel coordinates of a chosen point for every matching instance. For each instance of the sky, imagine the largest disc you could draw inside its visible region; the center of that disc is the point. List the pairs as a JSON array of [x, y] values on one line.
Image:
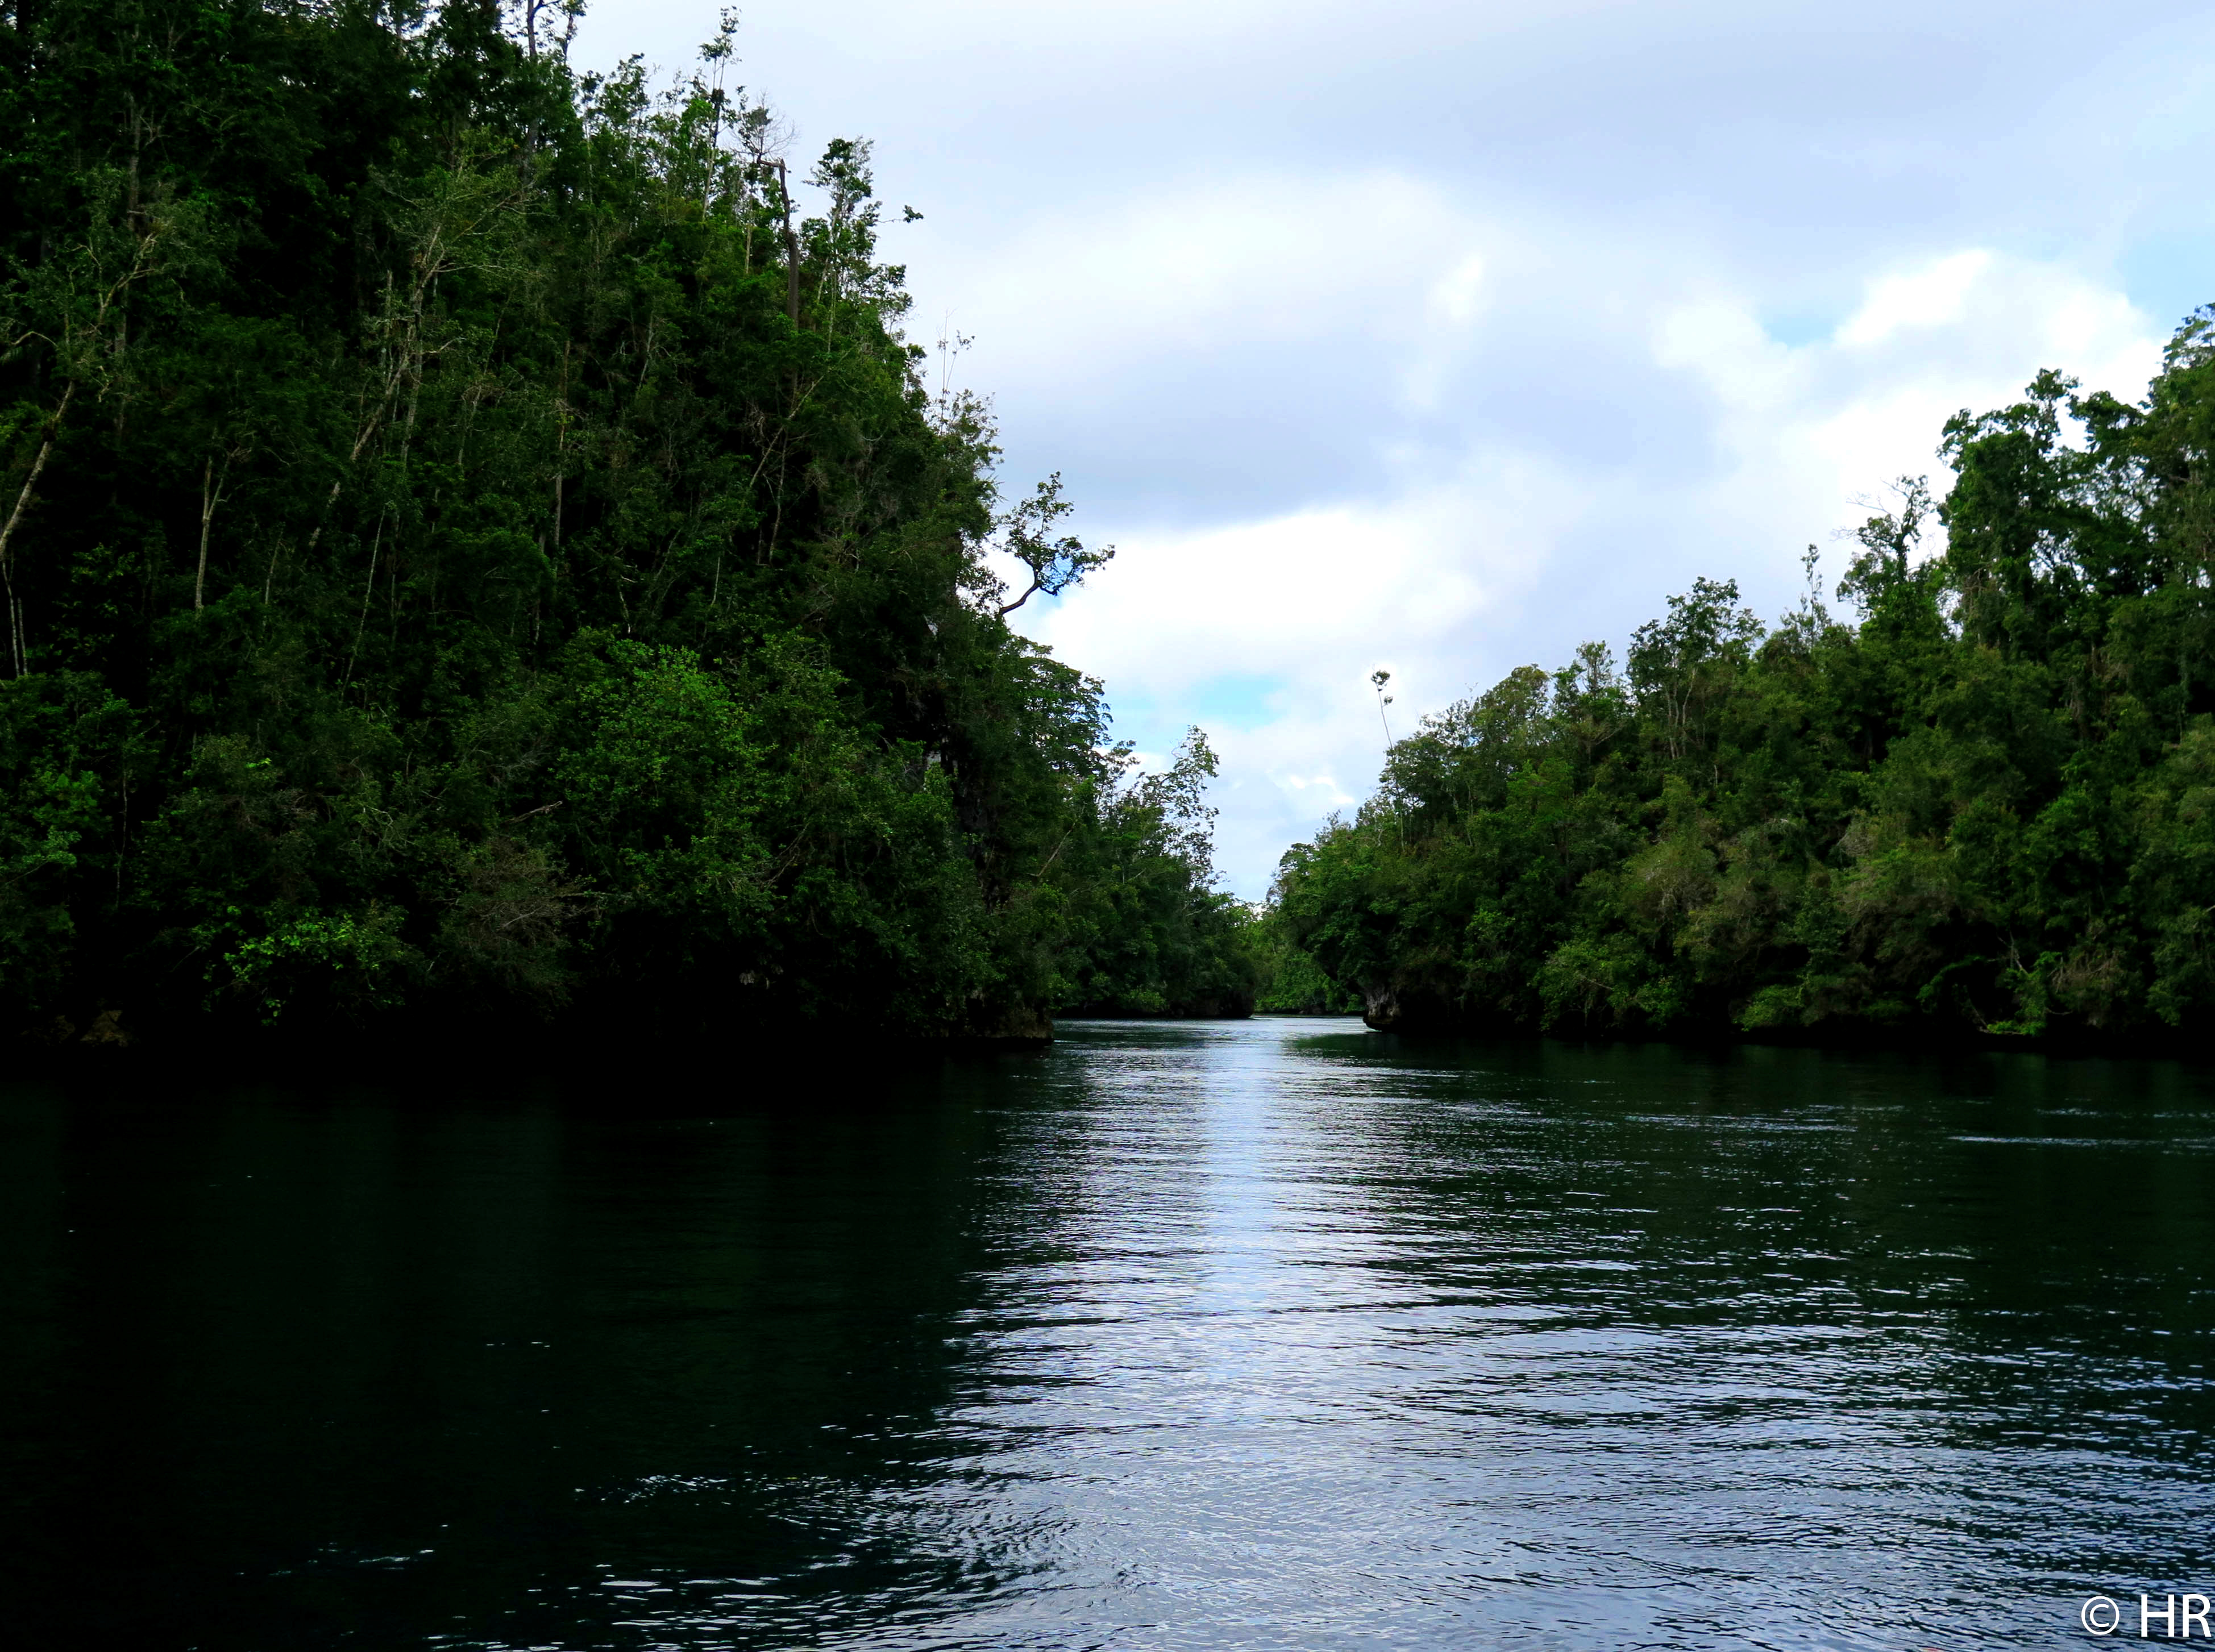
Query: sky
[[1439, 338]]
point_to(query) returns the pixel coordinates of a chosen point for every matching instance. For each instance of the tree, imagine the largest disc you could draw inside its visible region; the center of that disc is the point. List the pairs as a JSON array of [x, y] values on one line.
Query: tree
[[477, 546]]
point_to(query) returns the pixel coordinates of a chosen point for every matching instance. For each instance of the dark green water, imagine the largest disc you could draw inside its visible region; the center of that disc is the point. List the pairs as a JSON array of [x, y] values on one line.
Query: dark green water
[[1266, 1335]]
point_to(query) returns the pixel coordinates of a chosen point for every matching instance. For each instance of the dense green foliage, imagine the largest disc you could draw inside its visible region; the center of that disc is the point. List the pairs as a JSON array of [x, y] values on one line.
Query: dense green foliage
[[473, 545], [1990, 804], [1292, 982]]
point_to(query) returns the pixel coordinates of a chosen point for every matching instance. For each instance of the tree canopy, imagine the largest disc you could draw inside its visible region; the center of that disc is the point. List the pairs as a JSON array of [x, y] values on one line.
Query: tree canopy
[[476, 542], [1984, 802]]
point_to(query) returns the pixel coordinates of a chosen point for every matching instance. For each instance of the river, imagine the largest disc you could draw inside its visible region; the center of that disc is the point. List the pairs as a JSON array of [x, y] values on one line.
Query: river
[[1274, 1334]]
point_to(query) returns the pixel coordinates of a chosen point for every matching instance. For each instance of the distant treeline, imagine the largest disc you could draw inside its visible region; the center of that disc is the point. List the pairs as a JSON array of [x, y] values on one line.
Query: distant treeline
[[1987, 804], [478, 549]]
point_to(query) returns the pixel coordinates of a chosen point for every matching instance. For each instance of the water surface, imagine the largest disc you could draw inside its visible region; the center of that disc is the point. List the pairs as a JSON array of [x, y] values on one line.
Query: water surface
[[1272, 1335]]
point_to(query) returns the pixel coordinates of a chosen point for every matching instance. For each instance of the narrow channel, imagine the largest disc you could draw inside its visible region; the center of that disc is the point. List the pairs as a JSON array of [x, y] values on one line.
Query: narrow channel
[[1268, 1334]]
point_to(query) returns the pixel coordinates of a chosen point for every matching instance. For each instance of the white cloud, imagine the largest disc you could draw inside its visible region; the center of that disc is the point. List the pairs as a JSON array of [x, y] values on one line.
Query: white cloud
[[1508, 555], [1444, 336], [1204, 267], [1805, 429], [1456, 297], [1931, 296]]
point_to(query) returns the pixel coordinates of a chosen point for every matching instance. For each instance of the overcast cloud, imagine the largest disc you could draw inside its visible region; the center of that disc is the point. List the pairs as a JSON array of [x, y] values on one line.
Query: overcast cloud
[[1441, 338]]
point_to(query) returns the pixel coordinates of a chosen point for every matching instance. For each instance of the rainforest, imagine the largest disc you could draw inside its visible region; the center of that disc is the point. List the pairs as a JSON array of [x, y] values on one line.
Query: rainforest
[[1981, 804], [477, 544], [480, 550]]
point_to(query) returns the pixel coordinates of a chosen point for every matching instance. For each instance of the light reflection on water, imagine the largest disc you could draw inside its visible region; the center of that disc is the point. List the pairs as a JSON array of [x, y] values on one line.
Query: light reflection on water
[[1272, 1334]]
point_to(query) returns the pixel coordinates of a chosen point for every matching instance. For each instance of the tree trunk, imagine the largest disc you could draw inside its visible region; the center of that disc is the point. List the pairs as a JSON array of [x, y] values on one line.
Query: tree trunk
[[15, 519]]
